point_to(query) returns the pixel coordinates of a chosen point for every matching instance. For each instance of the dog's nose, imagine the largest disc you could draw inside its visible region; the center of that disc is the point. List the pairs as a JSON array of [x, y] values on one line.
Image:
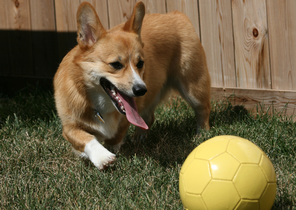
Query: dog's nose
[[139, 90]]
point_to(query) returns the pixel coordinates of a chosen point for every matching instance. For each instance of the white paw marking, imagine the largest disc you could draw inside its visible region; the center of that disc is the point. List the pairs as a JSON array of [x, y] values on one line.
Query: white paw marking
[[98, 154]]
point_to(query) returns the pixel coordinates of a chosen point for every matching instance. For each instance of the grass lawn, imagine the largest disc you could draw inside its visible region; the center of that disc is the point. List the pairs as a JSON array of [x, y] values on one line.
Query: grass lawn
[[38, 169]]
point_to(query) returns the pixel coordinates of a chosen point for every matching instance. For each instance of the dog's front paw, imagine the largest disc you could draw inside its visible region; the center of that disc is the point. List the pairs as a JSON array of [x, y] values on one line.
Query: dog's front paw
[[99, 155], [103, 159]]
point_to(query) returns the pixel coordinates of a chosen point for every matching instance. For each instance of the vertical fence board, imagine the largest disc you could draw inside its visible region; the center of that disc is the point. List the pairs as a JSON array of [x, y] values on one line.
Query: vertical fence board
[[19, 25], [282, 35], [154, 6], [66, 25], [101, 8], [42, 15], [3, 15], [66, 15], [217, 39], [188, 7], [5, 58], [251, 44], [44, 37], [18, 14], [120, 11]]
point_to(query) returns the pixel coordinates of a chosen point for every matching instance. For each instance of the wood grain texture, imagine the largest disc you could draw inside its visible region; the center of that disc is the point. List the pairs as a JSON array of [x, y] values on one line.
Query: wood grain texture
[[120, 11], [42, 15], [44, 38], [101, 7], [251, 44], [18, 14], [188, 7], [66, 25], [66, 15], [282, 30], [154, 6], [20, 39], [217, 39], [4, 14], [278, 101], [5, 59]]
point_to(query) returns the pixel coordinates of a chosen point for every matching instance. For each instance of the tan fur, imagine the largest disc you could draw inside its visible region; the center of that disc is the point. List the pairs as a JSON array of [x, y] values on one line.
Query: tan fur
[[173, 59]]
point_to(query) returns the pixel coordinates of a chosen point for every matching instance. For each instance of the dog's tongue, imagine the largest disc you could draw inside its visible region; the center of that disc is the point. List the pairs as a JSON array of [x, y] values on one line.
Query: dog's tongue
[[131, 111]]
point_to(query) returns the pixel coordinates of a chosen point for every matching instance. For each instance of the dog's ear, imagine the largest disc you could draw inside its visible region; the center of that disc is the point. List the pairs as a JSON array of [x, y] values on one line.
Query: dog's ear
[[134, 24], [89, 26]]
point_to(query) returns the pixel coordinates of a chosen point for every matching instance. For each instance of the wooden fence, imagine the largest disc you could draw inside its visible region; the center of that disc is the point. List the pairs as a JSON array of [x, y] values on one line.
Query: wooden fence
[[250, 44]]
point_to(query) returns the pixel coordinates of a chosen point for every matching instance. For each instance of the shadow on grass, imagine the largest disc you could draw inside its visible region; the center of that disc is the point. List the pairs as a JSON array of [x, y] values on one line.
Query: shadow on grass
[[171, 140], [224, 113], [29, 104], [167, 144]]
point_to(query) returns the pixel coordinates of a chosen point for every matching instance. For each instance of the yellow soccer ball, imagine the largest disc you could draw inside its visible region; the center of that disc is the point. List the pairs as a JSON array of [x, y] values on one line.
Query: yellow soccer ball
[[227, 172]]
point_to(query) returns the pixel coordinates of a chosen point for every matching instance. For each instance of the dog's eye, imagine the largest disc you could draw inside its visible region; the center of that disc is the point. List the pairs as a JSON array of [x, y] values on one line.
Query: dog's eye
[[140, 64], [116, 65]]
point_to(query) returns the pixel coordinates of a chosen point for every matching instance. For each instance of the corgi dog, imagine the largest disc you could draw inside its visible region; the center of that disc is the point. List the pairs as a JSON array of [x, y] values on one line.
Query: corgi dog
[[117, 77]]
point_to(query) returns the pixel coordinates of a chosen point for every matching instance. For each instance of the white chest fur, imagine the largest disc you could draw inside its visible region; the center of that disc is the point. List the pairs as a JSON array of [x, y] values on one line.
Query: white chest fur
[[103, 105]]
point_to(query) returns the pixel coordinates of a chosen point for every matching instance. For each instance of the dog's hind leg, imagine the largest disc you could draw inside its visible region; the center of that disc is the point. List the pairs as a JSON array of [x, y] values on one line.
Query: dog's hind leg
[[197, 94], [201, 109]]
